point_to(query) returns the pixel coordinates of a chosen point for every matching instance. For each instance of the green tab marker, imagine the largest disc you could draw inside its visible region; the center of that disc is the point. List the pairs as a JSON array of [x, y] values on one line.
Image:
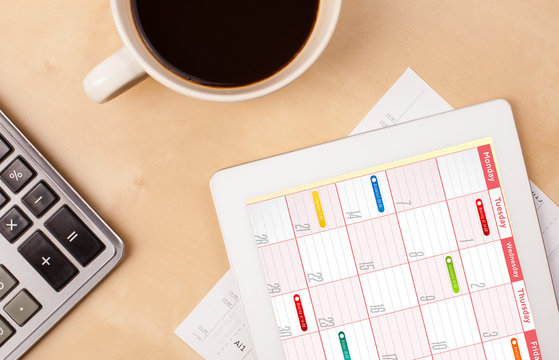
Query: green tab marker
[[452, 274], [343, 343]]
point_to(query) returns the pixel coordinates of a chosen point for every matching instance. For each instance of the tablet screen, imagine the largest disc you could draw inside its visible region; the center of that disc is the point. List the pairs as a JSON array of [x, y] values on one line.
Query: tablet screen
[[414, 259]]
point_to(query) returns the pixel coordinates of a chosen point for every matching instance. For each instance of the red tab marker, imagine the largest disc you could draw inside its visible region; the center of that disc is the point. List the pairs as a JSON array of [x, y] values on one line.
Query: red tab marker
[[482, 217], [300, 312]]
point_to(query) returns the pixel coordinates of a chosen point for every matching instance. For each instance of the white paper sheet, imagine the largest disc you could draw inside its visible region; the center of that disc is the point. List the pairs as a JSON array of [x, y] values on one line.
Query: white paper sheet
[[216, 332], [216, 327]]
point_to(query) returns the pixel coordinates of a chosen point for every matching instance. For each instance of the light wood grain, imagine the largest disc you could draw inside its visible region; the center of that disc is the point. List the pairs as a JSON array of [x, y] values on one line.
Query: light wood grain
[[144, 160]]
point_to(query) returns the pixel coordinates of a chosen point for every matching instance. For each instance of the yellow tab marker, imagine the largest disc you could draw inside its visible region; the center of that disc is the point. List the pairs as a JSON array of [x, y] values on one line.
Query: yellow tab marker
[[318, 207]]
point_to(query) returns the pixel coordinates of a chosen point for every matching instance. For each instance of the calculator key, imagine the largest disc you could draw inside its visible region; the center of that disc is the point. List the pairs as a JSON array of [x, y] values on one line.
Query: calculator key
[[3, 199], [53, 266], [17, 174], [13, 224], [22, 307], [72, 233], [40, 199], [7, 282], [5, 149], [6, 331]]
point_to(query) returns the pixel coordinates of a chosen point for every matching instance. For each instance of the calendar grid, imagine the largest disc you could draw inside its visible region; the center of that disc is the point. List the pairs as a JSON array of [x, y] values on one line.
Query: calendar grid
[[413, 261], [460, 254]]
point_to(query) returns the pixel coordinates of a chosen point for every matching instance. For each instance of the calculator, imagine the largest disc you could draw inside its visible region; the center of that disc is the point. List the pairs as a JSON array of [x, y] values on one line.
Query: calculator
[[53, 247]]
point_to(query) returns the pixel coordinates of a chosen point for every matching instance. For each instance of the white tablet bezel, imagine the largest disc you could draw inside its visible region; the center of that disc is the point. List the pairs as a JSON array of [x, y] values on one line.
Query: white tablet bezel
[[232, 187]]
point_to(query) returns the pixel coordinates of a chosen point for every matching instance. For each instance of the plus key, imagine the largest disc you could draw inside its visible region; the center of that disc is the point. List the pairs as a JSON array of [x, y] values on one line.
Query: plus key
[[53, 266]]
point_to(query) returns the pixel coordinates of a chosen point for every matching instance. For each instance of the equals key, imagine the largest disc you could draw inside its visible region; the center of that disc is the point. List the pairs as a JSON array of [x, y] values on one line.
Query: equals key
[[74, 235]]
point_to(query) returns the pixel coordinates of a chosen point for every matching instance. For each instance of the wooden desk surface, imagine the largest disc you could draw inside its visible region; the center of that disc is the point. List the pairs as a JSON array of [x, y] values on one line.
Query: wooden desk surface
[[144, 159]]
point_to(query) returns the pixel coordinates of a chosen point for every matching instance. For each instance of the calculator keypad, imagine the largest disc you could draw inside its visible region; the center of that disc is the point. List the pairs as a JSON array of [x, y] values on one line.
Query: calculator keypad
[[53, 248], [53, 266], [22, 307]]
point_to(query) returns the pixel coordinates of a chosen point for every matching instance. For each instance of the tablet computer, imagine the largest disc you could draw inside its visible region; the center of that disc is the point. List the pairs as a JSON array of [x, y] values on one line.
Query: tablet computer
[[418, 241]]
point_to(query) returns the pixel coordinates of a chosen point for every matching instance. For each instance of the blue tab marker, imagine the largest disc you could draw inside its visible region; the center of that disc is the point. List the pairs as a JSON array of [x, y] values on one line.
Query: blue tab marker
[[378, 196]]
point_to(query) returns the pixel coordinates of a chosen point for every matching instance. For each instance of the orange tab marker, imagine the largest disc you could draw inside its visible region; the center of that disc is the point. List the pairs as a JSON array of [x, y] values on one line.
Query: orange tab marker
[[515, 349], [318, 207]]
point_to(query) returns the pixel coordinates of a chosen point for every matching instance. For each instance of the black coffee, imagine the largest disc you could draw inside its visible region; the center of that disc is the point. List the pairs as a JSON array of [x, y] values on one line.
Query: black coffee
[[225, 43]]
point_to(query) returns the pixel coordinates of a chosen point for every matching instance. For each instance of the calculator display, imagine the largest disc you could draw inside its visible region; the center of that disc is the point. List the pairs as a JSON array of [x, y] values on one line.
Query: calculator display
[[413, 259]]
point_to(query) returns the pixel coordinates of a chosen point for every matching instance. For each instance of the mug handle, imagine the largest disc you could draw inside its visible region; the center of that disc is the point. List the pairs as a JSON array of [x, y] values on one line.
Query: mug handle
[[113, 76]]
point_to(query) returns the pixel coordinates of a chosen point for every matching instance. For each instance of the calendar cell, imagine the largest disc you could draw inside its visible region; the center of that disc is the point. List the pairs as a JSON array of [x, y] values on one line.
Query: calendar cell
[[354, 341], [389, 290], [282, 268], [377, 244], [468, 352], [270, 222], [461, 173], [290, 313], [327, 256], [427, 231], [450, 324], [485, 266], [433, 280], [315, 210], [401, 335], [339, 303], [416, 185], [510, 347], [306, 347], [360, 201], [497, 312], [467, 223]]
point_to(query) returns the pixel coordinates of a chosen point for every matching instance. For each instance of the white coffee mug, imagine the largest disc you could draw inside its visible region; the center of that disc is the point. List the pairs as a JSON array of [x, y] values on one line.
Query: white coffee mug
[[130, 64]]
